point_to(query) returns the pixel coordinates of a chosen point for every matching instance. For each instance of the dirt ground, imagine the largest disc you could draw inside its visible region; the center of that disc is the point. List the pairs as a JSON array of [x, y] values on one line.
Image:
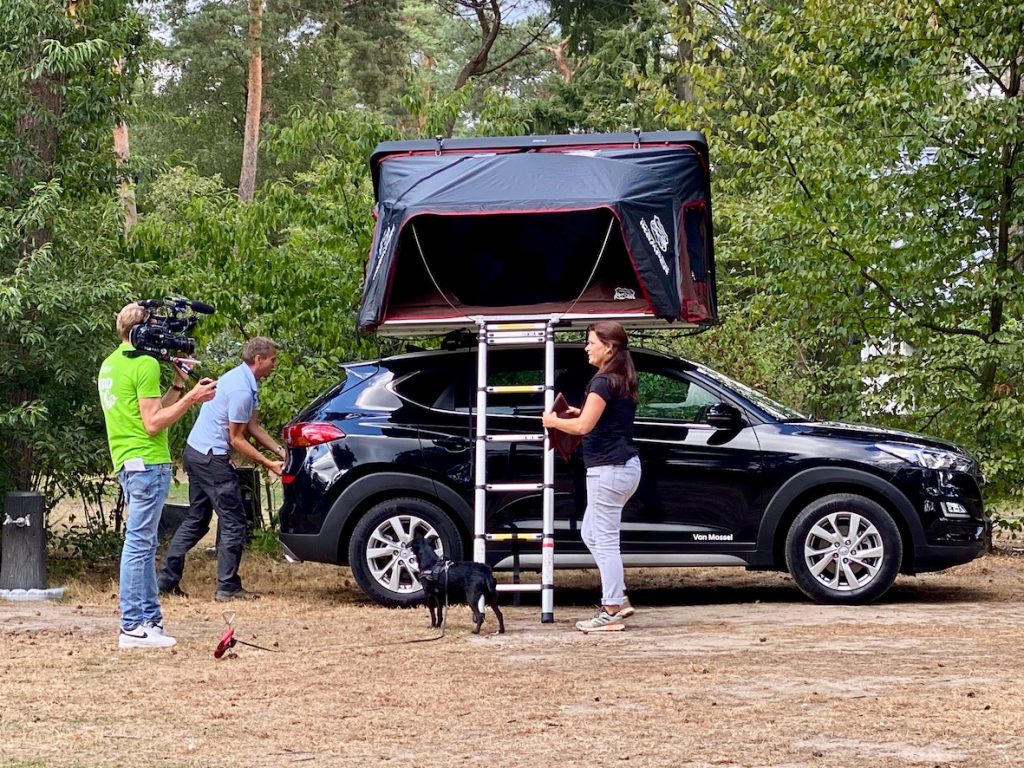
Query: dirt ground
[[719, 667]]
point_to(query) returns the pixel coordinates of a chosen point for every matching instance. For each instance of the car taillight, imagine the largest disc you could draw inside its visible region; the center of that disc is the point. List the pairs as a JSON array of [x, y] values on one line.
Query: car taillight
[[310, 433]]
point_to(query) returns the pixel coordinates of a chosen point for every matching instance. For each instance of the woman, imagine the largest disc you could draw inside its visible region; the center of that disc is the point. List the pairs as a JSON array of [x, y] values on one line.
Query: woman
[[610, 456]]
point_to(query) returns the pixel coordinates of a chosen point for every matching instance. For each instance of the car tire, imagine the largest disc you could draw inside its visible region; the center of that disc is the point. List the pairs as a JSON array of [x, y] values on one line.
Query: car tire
[[378, 551], [844, 549]]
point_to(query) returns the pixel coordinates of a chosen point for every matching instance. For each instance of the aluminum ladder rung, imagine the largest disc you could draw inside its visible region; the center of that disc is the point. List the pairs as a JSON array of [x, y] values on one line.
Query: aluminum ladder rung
[[501, 487], [513, 326], [520, 587], [531, 339], [514, 536], [514, 389], [532, 438]]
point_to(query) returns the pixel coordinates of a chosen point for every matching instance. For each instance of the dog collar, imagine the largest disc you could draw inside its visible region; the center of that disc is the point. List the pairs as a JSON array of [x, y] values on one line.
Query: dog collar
[[434, 573]]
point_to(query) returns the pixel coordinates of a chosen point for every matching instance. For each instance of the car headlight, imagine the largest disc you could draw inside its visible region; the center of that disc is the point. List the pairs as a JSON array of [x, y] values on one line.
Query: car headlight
[[929, 458]]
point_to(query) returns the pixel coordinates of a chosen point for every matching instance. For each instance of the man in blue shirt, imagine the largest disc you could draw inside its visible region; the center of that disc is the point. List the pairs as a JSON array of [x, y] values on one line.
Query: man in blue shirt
[[225, 424]]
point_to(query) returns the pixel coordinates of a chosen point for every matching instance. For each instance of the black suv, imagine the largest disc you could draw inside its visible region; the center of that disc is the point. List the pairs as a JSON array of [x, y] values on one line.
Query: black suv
[[730, 477]]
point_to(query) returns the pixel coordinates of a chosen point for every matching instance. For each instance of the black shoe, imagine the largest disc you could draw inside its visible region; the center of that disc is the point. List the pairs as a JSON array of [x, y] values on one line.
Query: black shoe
[[175, 591], [239, 594]]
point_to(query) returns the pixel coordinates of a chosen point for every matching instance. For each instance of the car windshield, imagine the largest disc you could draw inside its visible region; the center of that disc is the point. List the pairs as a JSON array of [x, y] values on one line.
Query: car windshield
[[761, 400]]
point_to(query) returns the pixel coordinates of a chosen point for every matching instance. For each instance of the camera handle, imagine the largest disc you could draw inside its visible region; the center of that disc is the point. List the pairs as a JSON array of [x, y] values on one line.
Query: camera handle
[[187, 364]]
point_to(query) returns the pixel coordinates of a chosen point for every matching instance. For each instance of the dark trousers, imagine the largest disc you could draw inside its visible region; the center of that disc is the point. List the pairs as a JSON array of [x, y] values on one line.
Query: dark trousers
[[212, 484]]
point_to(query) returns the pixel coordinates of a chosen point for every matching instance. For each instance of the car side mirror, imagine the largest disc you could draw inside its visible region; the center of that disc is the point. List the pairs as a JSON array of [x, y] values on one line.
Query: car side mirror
[[724, 416]]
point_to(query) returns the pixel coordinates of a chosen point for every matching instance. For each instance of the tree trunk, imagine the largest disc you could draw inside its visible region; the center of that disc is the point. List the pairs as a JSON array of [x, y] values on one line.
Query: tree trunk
[[490, 26], [122, 153], [254, 103], [558, 53], [684, 52], [40, 136], [24, 543]]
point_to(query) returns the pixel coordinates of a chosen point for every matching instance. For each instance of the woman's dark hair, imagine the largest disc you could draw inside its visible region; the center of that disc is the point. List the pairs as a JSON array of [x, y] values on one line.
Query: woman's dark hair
[[619, 369]]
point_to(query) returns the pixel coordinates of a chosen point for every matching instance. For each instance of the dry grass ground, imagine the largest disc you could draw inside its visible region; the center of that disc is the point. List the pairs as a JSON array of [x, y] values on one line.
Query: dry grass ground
[[719, 667]]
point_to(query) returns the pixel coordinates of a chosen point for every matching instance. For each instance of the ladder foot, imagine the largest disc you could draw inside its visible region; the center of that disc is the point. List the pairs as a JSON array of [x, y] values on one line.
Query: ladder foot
[[547, 618]]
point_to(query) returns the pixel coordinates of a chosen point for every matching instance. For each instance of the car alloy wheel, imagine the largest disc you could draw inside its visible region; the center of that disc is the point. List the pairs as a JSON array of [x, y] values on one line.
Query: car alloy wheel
[[389, 556], [379, 552], [844, 549]]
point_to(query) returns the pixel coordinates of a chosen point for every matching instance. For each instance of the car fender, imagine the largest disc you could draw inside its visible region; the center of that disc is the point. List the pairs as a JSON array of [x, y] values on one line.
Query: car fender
[[379, 484], [850, 479]]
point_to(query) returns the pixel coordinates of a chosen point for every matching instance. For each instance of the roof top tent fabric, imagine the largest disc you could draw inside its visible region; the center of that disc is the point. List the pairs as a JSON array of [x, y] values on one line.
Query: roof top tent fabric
[[583, 227]]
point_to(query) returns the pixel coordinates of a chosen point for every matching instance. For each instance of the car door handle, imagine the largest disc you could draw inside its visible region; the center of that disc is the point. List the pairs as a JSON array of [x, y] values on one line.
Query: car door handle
[[452, 443]]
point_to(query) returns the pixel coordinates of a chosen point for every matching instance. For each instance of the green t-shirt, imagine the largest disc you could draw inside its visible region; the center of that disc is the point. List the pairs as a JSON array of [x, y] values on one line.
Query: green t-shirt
[[122, 381]]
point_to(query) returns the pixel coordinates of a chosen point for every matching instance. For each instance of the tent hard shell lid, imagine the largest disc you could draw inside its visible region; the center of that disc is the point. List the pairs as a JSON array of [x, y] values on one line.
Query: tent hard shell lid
[[580, 228]]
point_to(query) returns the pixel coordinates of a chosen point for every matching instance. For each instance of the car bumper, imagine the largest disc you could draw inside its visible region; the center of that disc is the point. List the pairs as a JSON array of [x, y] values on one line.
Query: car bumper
[[310, 547], [966, 543], [287, 554]]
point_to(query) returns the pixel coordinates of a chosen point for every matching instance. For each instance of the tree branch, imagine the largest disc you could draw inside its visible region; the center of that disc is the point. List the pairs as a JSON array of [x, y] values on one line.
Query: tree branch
[[536, 36], [955, 30]]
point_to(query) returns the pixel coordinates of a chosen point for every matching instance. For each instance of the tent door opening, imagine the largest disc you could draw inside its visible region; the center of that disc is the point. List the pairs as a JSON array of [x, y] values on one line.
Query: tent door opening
[[515, 263]]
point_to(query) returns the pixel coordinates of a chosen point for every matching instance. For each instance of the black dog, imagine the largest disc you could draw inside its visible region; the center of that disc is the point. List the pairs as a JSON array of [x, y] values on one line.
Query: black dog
[[445, 582]]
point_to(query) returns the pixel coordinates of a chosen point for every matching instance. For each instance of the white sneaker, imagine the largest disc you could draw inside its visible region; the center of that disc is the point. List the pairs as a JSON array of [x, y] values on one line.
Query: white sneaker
[[145, 636], [157, 628], [602, 622]]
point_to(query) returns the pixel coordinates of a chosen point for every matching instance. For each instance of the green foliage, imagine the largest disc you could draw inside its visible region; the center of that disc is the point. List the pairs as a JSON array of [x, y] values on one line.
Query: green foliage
[[866, 175], [288, 265], [443, 37], [264, 543], [87, 546], [749, 346], [60, 233], [316, 55], [589, 21], [865, 160]]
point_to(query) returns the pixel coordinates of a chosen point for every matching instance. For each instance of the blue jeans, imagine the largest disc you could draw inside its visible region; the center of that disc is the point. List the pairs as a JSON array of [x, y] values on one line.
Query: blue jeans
[[609, 487], [144, 493]]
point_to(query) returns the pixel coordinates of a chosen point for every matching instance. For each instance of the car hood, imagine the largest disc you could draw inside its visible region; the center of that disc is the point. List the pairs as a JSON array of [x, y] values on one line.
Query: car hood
[[868, 433]]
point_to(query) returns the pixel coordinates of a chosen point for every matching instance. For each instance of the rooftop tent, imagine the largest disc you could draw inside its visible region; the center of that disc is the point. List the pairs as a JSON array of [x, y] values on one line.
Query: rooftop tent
[[584, 227]]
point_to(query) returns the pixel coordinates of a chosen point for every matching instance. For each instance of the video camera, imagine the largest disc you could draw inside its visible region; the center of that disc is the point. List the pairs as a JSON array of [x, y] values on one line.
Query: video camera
[[166, 330]]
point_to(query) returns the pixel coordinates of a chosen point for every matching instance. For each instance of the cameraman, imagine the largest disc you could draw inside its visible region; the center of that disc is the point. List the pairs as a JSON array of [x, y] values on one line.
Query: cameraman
[[224, 424], [137, 416]]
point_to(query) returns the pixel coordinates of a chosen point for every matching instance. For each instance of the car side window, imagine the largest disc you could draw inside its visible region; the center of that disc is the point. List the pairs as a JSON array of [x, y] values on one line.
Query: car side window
[[431, 388], [454, 390], [377, 397], [663, 397]]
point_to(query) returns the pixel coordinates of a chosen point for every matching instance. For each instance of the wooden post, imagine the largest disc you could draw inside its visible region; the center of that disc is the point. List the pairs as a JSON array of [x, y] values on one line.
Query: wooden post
[[24, 543]]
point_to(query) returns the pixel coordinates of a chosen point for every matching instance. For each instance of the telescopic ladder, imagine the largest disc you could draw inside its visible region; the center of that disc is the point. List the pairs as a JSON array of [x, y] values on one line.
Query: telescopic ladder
[[522, 332]]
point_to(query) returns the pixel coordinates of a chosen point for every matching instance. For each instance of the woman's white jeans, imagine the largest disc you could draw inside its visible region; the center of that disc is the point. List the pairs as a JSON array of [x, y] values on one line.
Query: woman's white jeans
[[609, 487]]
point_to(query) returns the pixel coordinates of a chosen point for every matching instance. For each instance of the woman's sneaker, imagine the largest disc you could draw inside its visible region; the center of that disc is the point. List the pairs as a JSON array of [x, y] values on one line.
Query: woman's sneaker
[[144, 636], [602, 622], [625, 609]]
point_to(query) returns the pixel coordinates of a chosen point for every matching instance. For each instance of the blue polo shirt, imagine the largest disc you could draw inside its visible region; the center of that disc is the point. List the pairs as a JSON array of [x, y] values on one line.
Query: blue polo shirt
[[236, 401]]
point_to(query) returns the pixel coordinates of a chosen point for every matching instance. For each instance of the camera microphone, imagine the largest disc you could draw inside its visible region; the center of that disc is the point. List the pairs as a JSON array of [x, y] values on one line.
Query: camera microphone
[[202, 307]]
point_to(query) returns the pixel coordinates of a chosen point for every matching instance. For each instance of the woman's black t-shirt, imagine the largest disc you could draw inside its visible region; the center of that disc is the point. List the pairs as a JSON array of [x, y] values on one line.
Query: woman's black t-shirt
[[611, 440]]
